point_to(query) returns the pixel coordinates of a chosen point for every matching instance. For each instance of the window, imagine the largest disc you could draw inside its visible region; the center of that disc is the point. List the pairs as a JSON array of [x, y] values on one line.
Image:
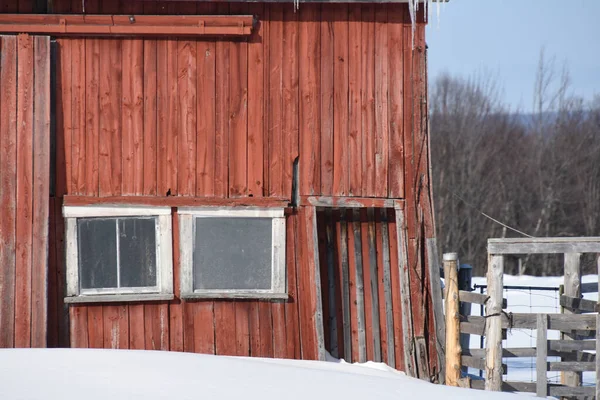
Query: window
[[232, 253], [118, 253]]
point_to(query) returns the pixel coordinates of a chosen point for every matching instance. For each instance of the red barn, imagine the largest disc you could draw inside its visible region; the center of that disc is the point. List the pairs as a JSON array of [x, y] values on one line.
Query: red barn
[[236, 178]]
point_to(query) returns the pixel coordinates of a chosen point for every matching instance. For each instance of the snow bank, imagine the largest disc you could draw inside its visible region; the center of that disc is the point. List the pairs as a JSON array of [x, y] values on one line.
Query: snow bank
[[57, 374]]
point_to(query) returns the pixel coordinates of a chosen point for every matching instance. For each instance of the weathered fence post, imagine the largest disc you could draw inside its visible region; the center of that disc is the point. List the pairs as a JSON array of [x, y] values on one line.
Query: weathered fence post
[[572, 288], [493, 326], [453, 350], [542, 356]]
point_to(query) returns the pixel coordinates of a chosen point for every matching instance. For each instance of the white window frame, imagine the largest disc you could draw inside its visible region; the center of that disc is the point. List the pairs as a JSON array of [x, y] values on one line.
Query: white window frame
[[164, 254], [187, 236]]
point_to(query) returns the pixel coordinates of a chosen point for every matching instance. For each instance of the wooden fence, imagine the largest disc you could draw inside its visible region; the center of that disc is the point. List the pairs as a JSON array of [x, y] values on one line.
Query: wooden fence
[[577, 326]]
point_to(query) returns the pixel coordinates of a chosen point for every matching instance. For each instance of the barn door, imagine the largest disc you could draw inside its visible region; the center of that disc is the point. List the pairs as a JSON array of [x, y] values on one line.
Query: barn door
[[360, 285], [24, 188]]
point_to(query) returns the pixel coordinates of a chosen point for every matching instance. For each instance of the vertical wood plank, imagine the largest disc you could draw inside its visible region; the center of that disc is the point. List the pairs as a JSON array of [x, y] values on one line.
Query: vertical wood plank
[[381, 101], [24, 191], [598, 346], [309, 78], [390, 243], [132, 113], [353, 277], [150, 109], [265, 320], [376, 283], [156, 326], [328, 12], [436, 300], [275, 100], [176, 317], [407, 117], [222, 114], [340, 102], [225, 344], [453, 349], [354, 101], [291, 306], [256, 111], [266, 28], [395, 104], [361, 313], [343, 273], [8, 187], [238, 122], [572, 284], [254, 329], [92, 115], [290, 97], [386, 302], [136, 327], [95, 326], [78, 321], [242, 328], [279, 330], [369, 180], [116, 327], [493, 327], [78, 122], [110, 121], [54, 315], [369, 296], [316, 286], [41, 191], [189, 316], [204, 328], [164, 136], [63, 116], [541, 363]]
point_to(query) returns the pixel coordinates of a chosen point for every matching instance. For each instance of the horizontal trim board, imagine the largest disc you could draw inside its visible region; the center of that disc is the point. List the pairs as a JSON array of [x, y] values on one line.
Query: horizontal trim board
[[350, 202], [177, 201], [232, 212], [239, 295], [127, 25], [99, 210], [544, 245], [118, 298]]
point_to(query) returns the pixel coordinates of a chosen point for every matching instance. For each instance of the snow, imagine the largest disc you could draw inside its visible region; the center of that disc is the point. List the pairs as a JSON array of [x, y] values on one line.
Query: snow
[[56, 374], [529, 301]]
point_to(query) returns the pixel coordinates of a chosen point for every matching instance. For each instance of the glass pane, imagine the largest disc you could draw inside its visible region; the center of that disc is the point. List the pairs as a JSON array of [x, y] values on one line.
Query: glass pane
[[137, 252], [232, 253], [97, 252]]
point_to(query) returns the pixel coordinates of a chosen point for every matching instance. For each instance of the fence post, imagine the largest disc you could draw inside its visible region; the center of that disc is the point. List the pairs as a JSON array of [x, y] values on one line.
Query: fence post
[[493, 326], [465, 275], [453, 350], [572, 288], [542, 356]]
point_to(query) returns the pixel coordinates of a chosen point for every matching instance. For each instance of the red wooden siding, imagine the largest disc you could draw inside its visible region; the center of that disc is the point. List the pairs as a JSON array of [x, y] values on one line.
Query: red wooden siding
[[338, 86], [24, 189]]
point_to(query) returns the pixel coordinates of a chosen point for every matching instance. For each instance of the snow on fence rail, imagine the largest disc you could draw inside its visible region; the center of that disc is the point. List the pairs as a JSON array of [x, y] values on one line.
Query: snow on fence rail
[[573, 324]]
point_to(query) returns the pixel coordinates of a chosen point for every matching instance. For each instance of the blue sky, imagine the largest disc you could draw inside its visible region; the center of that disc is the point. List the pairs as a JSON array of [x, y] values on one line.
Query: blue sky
[[503, 38]]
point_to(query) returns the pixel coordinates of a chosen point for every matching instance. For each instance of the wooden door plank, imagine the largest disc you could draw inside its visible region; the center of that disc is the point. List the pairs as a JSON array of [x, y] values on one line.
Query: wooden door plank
[[90, 90], [369, 179], [132, 112], [381, 101], [256, 111], [327, 290], [348, 237], [137, 337], [340, 243], [279, 330], [238, 123], [266, 28], [328, 12], [340, 102], [242, 328], [291, 306], [176, 317], [408, 131], [53, 263], [63, 116], [156, 326], [204, 327], [24, 231], [376, 283], [164, 135], [254, 329], [390, 235], [275, 100], [187, 114], [309, 119], [290, 97], [189, 316], [225, 344], [41, 191], [8, 187], [395, 98], [369, 294], [355, 139]]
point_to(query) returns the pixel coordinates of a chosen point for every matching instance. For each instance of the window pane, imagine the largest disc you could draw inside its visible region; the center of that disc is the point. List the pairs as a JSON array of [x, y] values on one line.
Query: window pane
[[97, 253], [232, 253], [137, 252]]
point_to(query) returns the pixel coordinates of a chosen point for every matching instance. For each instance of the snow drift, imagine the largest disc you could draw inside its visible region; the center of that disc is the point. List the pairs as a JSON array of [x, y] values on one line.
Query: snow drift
[[56, 374]]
